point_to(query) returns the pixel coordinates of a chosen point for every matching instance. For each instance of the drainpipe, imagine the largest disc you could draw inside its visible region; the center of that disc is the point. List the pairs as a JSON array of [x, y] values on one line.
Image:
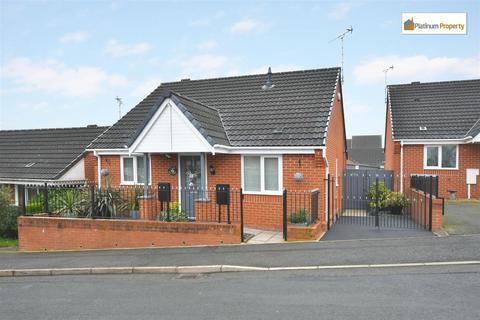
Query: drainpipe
[[401, 166], [99, 171], [147, 176]]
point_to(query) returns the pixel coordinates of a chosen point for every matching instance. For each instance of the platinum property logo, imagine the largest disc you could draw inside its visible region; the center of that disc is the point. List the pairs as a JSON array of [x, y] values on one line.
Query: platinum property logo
[[434, 23]]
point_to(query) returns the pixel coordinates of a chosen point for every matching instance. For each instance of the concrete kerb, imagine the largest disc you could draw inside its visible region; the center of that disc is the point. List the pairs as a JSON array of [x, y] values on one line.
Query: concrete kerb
[[210, 269]]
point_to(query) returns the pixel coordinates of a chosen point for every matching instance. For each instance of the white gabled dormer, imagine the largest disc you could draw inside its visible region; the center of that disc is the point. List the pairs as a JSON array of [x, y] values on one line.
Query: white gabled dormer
[[170, 131]]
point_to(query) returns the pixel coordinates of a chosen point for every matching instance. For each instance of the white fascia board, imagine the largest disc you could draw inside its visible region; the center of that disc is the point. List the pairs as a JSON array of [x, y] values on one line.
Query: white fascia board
[[435, 141], [267, 150], [39, 182]]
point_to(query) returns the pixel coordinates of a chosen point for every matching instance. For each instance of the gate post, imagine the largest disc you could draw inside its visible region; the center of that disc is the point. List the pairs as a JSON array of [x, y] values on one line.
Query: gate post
[[377, 204], [328, 201], [430, 204], [284, 205], [242, 236]]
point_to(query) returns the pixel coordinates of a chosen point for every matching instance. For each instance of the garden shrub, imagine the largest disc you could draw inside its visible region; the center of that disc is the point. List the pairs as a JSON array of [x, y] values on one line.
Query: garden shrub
[[8, 214]]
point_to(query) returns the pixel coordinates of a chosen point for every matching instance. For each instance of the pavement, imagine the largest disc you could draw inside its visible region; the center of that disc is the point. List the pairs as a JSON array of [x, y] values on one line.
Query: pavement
[[447, 292], [462, 217], [347, 252], [263, 236]]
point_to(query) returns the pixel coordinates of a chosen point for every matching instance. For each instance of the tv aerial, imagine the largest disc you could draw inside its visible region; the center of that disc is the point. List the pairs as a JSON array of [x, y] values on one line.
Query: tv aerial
[[385, 71], [341, 37], [120, 102]]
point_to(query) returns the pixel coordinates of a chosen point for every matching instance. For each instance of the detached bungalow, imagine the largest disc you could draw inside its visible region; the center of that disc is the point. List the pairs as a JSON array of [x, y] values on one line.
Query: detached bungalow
[[262, 133], [434, 128], [39, 156]]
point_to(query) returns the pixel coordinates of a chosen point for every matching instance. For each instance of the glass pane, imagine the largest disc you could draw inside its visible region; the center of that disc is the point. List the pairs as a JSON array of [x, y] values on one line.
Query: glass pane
[[432, 156], [128, 169], [271, 174], [449, 156], [252, 173], [140, 170]]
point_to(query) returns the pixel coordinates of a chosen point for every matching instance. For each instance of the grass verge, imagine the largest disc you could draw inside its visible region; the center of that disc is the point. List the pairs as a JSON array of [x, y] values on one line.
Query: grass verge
[[7, 242]]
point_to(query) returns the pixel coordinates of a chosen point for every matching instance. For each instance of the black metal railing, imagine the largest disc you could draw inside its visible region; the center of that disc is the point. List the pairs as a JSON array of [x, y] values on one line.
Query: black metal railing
[[425, 183], [129, 202], [301, 207]]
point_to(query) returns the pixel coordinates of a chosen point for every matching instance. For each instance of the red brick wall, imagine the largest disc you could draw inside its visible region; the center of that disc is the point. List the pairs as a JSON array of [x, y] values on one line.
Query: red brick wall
[[392, 149], [301, 233], [336, 149], [90, 167], [468, 157], [417, 209], [44, 233]]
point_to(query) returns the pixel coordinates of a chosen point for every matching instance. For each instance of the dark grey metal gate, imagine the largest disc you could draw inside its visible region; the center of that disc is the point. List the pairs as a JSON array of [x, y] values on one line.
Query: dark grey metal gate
[[356, 184], [365, 201]]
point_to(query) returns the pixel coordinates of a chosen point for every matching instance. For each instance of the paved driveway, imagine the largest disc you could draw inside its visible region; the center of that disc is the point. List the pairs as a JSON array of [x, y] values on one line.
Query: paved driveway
[[462, 217], [356, 232]]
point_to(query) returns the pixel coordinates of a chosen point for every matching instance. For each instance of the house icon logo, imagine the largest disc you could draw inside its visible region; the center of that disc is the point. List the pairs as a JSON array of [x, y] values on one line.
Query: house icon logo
[[409, 25]]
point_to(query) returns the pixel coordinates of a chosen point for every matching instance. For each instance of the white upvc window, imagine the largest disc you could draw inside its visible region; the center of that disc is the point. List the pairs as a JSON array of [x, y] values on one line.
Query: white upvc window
[[262, 174], [440, 157], [133, 170]]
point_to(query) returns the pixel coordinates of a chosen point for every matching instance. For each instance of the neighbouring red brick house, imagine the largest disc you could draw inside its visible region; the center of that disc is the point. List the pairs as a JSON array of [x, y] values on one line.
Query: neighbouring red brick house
[[43, 156], [262, 133], [434, 128]]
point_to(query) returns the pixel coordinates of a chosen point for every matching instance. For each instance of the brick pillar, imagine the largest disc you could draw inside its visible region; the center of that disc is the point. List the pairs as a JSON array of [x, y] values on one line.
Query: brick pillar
[[437, 218], [147, 208]]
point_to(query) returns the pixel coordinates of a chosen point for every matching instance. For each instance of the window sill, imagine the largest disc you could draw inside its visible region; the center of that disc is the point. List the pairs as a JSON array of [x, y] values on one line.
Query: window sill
[[439, 168]]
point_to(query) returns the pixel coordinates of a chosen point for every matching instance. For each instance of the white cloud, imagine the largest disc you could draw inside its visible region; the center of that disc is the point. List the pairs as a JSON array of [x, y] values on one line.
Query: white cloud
[[74, 37], [204, 63], [146, 87], [53, 77], [116, 49], [340, 11], [416, 68], [207, 45], [244, 26]]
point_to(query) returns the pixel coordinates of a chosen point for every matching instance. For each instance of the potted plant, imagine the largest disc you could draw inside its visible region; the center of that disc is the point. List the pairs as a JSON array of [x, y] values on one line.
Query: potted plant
[[378, 196], [396, 201]]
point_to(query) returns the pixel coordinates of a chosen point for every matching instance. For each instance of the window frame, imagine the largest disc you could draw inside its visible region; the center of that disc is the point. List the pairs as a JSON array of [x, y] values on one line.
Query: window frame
[[439, 167], [262, 174], [135, 170]]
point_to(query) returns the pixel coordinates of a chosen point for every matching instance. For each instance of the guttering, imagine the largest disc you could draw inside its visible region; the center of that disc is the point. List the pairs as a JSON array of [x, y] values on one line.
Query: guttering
[[435, 141], [40, 181], [267, 150], [105, 152]]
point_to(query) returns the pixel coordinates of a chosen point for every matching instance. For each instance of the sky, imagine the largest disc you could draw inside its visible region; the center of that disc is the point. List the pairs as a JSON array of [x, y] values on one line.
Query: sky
[[63, 63]]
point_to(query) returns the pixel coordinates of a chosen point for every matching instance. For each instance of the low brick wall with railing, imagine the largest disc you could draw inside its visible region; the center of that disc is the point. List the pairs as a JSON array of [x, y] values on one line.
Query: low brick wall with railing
[[419, 209], [40, 233]]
